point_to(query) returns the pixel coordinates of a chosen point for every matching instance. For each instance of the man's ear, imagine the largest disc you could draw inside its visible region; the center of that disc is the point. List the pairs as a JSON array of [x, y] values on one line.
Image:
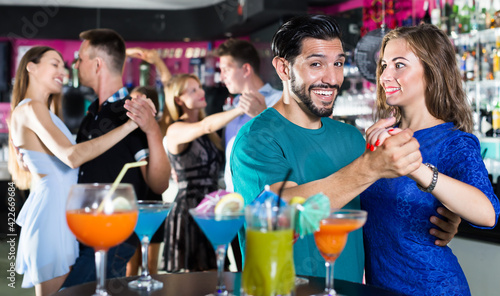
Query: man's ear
[[99, 63], [247, 69], [282, 68]]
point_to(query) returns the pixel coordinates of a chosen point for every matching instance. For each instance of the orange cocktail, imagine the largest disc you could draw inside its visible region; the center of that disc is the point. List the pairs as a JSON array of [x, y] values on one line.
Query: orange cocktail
[[332, 235], [99, 230], [101, 216], [331, 238]]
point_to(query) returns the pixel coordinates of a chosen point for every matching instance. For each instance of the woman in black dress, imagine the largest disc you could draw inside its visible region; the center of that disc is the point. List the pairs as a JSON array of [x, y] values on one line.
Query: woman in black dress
[[196, 156]]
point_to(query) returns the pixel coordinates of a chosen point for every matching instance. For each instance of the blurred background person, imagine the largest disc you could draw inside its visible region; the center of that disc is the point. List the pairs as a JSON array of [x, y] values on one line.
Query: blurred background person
[[240, 66], [100, 65], [196, 154]]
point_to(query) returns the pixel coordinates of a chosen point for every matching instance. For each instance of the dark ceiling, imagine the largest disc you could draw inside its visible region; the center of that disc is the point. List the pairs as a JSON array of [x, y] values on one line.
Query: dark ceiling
[[208, 23]]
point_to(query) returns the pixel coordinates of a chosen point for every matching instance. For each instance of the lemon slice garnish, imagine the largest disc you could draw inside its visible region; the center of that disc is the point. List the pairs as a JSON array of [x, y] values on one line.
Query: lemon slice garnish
[[121, 203], [229, 203], [297, 200]]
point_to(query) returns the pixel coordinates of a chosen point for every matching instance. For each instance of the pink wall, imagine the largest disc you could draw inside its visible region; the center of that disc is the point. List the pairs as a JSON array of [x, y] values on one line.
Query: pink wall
[[175, 54]]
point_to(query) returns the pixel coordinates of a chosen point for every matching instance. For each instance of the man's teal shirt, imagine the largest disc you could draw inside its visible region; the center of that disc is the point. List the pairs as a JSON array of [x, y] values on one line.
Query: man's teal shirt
[[269, 145]]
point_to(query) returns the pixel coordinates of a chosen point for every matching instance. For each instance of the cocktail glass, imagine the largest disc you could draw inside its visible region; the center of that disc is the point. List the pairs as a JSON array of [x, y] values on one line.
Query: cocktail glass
[[151, 214], [332, 237], [101, 218], [220, 229], [269, 268]]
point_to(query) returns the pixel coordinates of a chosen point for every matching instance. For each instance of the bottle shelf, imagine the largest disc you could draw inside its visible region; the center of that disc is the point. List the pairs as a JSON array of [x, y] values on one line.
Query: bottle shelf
[[474, 37]]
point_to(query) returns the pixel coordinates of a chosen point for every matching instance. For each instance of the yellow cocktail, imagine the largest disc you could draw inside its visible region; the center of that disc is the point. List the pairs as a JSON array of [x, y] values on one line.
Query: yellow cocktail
[[269, 266]]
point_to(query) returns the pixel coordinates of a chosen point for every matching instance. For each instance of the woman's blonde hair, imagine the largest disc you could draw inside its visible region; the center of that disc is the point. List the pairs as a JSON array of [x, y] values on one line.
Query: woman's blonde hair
[[175, 87], [21, 177], [445, 97]]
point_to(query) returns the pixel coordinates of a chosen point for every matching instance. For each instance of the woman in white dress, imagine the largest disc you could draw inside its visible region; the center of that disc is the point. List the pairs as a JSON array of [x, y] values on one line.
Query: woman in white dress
[[47, 248]]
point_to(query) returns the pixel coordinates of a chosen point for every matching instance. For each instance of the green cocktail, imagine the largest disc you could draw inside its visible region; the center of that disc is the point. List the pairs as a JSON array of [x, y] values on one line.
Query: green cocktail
[[269, 266]]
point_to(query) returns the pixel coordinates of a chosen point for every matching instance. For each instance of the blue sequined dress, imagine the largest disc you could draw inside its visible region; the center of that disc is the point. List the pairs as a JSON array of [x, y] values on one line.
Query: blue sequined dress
[[400, 252]]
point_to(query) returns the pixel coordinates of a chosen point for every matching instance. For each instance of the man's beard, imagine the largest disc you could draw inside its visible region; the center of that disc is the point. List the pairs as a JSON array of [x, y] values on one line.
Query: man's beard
[[305, 97]]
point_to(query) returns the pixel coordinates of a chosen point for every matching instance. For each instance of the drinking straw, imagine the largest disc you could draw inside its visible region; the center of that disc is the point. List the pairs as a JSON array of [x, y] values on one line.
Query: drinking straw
[[483, 155], [118, 180], [288, 173]]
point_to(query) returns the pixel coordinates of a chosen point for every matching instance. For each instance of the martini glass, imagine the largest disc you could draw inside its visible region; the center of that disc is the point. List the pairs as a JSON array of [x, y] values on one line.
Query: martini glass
[[151, 214], [220, 229], [101, 217], [332, 237]]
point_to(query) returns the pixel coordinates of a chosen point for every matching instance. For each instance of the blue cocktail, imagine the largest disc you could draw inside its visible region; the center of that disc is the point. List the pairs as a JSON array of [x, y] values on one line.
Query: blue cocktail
[[220, 229], [151, 214]]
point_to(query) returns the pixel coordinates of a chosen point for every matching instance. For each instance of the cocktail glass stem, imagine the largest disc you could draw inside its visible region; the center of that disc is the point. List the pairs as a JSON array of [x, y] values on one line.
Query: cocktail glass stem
[[329, 278], [220, 252], [100, 263], [145, 281], [145, 276]]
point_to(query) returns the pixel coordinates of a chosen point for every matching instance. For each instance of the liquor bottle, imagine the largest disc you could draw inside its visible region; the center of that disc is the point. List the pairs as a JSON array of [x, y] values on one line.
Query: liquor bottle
[[492, 16], [473, 16], [470, 64], [445, 18], [160, 91], [485, 65], [465, 17], [495, 63], [482, 20], [217, 75], [436, 17], [454, 21], [496, 59], [495, 119], [463, 63], [427, 16], [209, 67], [144, 69], [74, 71], [486, 122], [129, 75]]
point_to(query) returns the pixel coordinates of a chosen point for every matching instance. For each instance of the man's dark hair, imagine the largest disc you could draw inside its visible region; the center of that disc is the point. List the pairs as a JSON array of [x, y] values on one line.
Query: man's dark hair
[[287, 41], [241, 51], [109, 42]]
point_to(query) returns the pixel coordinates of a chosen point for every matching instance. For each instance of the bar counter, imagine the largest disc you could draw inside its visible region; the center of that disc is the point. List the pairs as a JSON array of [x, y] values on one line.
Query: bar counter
[[202, 283]]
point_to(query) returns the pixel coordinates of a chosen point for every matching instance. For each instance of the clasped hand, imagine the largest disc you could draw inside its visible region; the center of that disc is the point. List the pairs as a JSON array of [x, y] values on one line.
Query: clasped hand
[[391, 152], [142, 111], [252, 103]]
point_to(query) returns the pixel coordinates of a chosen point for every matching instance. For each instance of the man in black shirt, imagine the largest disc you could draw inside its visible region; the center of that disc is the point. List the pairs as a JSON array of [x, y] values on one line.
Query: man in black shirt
[[100, 65]]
